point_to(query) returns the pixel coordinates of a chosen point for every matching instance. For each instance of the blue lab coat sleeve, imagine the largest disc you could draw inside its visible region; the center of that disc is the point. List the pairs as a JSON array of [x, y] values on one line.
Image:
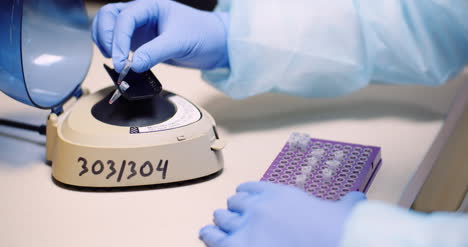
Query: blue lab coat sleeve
[[322, 48], [377, 224]]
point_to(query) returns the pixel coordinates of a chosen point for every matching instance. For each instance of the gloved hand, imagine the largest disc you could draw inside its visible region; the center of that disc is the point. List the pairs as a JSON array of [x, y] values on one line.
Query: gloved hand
[[161, 31], [264, 214]]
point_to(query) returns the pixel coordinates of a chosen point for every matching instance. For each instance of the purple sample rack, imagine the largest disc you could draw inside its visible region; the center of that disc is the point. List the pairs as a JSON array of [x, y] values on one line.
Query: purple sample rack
[[325, 169]]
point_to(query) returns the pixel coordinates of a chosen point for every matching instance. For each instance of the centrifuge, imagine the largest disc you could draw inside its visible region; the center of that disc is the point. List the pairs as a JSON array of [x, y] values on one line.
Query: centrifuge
[[45, 55]]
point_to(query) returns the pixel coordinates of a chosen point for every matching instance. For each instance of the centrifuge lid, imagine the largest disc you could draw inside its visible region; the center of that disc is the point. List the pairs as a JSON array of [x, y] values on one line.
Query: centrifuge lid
[[45, 50]]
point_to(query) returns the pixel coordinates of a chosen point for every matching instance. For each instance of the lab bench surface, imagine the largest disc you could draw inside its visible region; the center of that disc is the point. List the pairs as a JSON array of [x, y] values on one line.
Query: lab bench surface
[[405, 121]]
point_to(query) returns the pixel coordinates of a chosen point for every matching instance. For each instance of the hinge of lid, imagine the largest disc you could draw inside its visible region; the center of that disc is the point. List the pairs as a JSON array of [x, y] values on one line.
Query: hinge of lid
[[67, 104]]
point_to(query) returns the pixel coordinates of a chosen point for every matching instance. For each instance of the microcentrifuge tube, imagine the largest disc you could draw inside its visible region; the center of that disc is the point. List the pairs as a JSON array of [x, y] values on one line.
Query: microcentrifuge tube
[[327, 173], [124, 72], [299, 141], [317, 152], [294, 137], [123, 86], [312, 161], [115, 96], [304, 142], [339, 155], [306, 169], [300, 181], [117, 93], [334, 164]]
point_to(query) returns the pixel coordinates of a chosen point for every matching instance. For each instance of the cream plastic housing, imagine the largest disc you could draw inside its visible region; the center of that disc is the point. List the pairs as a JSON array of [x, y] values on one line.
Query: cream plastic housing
[[89, 153]]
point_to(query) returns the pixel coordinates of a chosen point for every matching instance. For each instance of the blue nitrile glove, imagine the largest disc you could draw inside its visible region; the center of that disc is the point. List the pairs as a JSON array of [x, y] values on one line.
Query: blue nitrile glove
[[161, 31], [264, 214]]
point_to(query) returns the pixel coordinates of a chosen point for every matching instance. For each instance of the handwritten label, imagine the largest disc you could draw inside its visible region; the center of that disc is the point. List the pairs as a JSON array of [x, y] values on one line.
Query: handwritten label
[[112, 170]]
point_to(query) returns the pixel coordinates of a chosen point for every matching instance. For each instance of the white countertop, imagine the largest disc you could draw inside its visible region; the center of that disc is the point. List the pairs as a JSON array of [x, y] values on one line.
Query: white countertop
[[34, 211]]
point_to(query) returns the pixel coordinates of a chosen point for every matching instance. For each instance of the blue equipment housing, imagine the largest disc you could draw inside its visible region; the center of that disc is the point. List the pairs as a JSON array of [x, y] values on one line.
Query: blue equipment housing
[[45, 50]]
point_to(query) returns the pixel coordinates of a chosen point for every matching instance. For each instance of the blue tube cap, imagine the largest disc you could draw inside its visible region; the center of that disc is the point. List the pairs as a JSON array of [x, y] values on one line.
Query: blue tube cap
[[45, 50]]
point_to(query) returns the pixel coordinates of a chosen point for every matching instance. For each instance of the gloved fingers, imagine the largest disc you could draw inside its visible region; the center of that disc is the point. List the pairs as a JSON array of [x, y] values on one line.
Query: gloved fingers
[[160, 49], [353, 197], [98, 43], [239, 202], [94, 37], [211, 235], [226, 220], [255, 187], [103, 26], [129, 19]]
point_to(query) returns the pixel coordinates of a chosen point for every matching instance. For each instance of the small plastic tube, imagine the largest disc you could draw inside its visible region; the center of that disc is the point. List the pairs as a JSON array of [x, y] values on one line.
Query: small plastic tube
[[298, 141], [312, 161], [327, 173], [339, 155], [127, 66], [306, 170], [317, 152], [124, 86], [294, 137], [333, 164], [304, 141], [300, 181]]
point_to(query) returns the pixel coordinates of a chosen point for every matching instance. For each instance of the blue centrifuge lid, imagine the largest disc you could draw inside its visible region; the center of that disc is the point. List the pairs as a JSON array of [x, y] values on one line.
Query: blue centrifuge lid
[[45, 50]]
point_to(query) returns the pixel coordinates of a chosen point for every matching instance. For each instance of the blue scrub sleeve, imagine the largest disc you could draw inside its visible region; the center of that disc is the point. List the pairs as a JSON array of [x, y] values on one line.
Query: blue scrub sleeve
[[322, 48], [374, 223]]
